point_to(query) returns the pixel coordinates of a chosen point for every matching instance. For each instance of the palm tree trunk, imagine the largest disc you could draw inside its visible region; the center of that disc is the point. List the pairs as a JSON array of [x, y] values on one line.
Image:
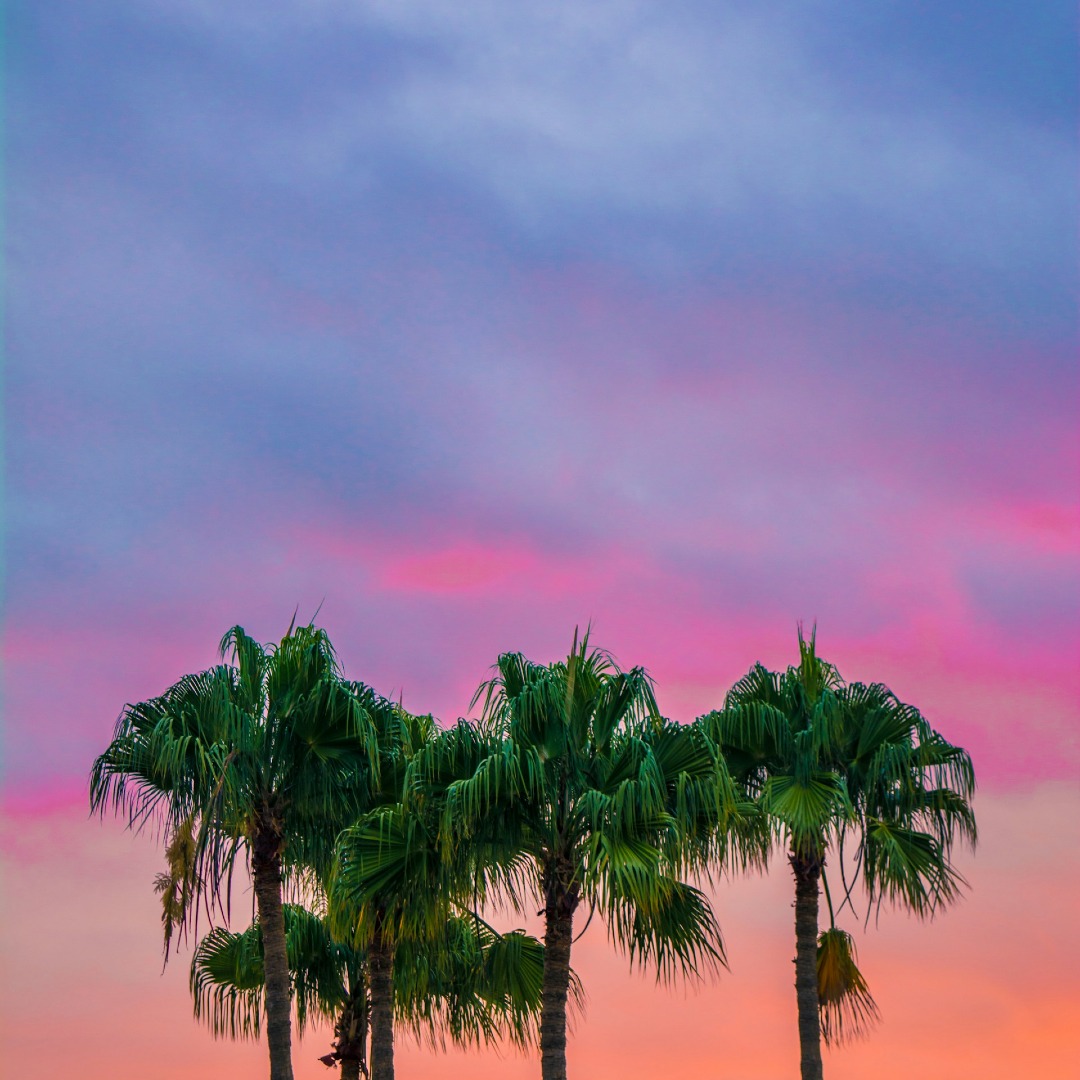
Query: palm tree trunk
[[266, 868], [352, 1030], [381, 969], [807, 874], [558, 936]]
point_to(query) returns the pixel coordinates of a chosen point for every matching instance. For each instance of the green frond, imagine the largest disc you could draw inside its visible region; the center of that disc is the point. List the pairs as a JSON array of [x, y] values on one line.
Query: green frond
[[675, 931], [908, 867], [946, 814], [753, 733], [510, 777], [948, 766], [251, 662], [814, 675], [227, 983], [470, 984], [227, 975], [623, 869], [807, 808], [757, 685], [448, 756], [875, 718], [625, 698], [389, 876]]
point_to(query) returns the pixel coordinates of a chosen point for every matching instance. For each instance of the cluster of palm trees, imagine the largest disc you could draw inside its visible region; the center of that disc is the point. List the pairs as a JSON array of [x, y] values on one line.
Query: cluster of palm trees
[[571, 794]]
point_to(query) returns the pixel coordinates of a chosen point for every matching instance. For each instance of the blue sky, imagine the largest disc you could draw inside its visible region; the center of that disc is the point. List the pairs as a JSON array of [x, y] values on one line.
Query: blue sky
[[696, 321]]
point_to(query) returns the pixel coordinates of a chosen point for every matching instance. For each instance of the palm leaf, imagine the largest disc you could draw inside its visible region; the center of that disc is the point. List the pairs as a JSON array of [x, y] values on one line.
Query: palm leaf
[[848, 1010]]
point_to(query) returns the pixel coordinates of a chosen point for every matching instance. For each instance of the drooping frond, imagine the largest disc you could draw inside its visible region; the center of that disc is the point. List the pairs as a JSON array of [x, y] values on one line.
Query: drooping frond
[[908, 867], [674, 930], [166, 751], [848, 1010], [700, 795], [512, 978], [510, 779], [227, 983], [179, 885]]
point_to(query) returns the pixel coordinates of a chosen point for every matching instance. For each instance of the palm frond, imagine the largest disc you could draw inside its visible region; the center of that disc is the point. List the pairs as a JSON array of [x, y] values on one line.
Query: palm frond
[[675, 931], [806, 807], [908, 867], [227, 975], [227, 983], [470, 984], [179, 885], [848, 1010]]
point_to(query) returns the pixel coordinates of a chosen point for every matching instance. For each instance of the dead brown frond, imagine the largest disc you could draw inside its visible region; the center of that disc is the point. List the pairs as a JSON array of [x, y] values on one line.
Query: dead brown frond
[[178, 885], [848, 1011]]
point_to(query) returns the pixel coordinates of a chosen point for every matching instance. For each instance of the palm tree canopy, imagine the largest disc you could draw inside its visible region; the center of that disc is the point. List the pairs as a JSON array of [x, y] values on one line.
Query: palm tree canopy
[[573, 783], [274, 740], [825, 759], [468, 983]]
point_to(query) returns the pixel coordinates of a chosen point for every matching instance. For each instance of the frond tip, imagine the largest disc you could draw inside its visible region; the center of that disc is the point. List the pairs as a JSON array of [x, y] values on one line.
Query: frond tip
[[848, 1010]]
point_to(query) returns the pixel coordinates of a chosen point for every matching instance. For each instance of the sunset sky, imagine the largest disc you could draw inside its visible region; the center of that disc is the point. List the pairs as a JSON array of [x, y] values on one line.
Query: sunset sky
[[464, 324]]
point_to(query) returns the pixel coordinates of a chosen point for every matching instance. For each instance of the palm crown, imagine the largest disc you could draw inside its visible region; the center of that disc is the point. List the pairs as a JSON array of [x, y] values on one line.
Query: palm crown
[[827, 760]]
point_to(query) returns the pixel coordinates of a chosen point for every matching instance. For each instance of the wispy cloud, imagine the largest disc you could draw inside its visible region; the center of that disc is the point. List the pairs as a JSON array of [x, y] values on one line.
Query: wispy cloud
[[479, 323]]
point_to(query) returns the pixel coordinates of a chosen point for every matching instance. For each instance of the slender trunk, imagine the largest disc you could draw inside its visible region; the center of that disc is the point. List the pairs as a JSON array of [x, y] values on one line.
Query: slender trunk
[[351, 1031], [381, 969], [807, 874], [266, 867], [558, 935]]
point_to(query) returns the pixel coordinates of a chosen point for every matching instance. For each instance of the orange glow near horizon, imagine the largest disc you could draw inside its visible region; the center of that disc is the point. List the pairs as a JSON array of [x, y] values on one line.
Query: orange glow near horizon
[[987, 991]]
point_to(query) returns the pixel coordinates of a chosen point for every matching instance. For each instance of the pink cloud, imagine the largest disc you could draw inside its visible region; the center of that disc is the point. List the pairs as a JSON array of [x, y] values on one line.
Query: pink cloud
[[1039, 527], [461, 569], [696, 608]]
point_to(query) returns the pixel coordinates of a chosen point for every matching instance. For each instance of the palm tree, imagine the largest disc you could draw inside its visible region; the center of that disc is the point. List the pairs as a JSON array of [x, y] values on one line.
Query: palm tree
[[574, 790], [371, 917], [470, 985], [271, 755], [401, 901], [828, 762]]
